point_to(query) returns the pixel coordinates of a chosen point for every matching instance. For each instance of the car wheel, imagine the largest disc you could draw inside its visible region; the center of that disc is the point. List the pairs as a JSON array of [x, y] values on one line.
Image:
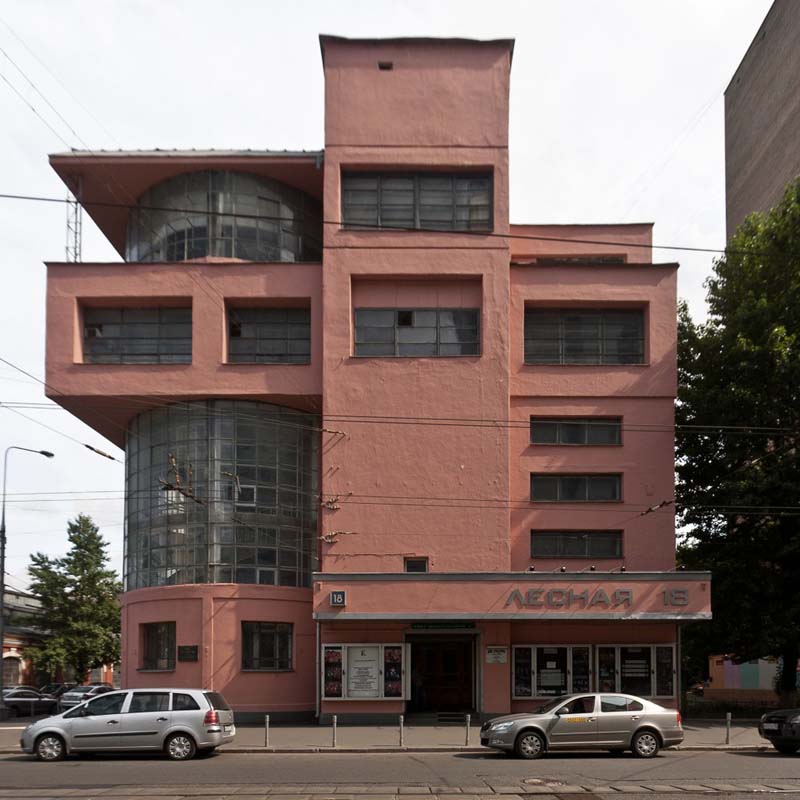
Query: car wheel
[[529, 744], [180, 747], [786, 749], [645, 744], [50, 747]]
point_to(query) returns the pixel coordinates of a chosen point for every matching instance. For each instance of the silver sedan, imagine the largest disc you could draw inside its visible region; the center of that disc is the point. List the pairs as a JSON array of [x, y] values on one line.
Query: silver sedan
[[613, 722]]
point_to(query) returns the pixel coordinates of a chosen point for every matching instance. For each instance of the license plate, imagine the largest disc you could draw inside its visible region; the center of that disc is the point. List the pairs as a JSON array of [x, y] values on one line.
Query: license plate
[[771, 726], [227, 728]]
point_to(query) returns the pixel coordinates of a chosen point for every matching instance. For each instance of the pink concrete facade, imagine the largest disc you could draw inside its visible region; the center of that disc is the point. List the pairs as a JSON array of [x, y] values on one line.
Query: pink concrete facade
[[419, 457]]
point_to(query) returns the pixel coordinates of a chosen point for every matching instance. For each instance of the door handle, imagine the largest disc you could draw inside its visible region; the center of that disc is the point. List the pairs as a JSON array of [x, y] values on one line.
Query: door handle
[[592, 719], [636, 717], [113, 722], [161, 719]]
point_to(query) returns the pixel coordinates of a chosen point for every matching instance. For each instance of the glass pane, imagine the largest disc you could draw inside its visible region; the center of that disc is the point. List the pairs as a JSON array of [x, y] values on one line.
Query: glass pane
[[523, 672], [665, 686], [392, 671], [605, 545], [572, 488], [603, 488], [603, 432], [606, 669], [332, 672], [545, 545], [581, 669], [544, 488], [375, 317], [551, 671], [544, 432], [635, 668], [572, 433]]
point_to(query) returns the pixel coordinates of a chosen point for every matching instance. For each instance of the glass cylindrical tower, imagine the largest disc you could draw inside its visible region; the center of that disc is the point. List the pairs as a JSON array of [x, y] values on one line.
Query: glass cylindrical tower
[[224, 214], [221, 491]]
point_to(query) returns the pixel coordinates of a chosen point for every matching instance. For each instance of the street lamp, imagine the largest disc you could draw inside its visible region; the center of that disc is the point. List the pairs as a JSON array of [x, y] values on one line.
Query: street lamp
[[46, 454]]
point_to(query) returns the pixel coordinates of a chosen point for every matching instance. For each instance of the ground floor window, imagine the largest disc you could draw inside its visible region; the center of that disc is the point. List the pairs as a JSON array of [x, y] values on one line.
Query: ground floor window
[[12, 670], [158, 645], [364, 672], [267, 646], [552, 670], [644, 670]]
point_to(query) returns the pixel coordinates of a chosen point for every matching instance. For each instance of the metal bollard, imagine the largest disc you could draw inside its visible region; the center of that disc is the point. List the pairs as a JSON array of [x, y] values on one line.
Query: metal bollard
[[402, 732], [334, 730], [266, 730], [728, 727], [466, 730]]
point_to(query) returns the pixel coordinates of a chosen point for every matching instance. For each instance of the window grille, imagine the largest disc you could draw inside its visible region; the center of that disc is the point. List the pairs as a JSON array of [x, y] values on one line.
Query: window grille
[[422, 201], [575, 488], [137, 335], [158, 640], [576, 544], [417, 332], [269, 335], [591, 336], [267, 646], [576, 430]]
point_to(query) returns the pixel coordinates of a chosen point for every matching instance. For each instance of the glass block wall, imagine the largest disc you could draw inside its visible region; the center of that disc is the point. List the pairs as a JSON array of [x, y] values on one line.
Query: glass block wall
[[221, 491]]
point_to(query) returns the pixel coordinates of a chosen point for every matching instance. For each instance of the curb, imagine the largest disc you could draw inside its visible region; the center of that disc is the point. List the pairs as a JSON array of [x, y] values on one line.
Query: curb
[[738, 748]]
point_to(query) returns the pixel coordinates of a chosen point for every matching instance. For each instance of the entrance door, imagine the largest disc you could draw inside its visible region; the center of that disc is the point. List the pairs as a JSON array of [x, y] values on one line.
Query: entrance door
[[441, 674]]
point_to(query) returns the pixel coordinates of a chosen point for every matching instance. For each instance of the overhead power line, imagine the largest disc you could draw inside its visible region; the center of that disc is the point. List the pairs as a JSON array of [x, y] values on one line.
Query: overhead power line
[[399, 229]]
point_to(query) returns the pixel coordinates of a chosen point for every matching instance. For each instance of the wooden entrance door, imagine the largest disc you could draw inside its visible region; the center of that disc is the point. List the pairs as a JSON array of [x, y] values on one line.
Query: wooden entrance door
[[441, 674]]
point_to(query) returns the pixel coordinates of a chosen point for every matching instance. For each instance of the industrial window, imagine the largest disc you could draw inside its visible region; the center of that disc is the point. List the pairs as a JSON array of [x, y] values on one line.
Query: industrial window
[[137, 335], [417, 332], [576, 544], [267, 646], [423, 201], [416, 564], [158, 645], [590, 336], [575, 488], [269, 335], [576, 430]]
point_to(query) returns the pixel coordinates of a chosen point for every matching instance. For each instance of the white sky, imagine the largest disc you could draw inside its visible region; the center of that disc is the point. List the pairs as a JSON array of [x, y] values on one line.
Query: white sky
[[616, 115]]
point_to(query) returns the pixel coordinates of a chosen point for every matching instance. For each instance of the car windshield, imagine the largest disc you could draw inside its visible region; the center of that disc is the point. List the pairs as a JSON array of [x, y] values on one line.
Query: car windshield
[[83, 689], [551, 704]]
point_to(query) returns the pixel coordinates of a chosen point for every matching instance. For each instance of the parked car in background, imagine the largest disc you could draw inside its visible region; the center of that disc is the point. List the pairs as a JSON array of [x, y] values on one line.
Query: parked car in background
[[613, 722], [13, 688], [179, 722], [782, 729], [78, 694], [56, 689], [29, 703]]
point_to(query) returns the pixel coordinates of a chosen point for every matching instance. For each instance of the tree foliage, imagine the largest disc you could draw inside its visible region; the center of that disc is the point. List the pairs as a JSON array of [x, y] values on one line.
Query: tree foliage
[[79, 599], [739, 475]]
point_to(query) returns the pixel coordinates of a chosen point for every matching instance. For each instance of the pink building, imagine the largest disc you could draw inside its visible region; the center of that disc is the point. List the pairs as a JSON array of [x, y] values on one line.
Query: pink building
[[385, 452]]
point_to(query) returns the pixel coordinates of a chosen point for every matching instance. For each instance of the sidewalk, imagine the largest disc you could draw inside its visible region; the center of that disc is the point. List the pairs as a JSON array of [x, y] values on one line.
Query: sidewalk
[[700, 735]]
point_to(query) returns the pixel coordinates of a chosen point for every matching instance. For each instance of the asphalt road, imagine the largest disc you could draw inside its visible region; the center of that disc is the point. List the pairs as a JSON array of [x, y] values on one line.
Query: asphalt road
[[396, 769]]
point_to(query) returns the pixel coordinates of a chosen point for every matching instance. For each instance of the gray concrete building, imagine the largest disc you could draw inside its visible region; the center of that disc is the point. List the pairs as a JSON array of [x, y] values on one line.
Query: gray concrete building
[[762, 117]]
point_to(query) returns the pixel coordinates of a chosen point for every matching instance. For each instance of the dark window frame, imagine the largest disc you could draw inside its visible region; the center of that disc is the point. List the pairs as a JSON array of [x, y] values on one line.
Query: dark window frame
[[255, 629], [419, 559], [99, 323], [417, 223], [441, 348], [603, 318], [562, 549], [156, 662], [561, 477], [295, 318], [586, 422]]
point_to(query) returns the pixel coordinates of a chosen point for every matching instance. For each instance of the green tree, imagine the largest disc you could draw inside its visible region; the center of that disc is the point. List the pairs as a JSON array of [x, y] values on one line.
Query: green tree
[[738, 471], [79, 598]]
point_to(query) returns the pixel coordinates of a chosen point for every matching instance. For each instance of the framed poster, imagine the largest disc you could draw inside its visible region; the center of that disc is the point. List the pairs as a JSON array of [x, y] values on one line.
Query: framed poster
[[363, 671]]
